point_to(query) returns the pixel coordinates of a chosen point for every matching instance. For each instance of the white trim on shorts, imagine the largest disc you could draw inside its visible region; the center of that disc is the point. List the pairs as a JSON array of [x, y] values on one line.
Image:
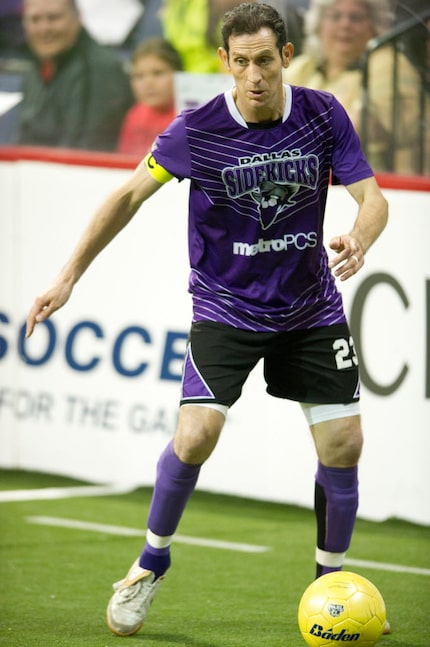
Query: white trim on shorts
[[222, 408], [315, 413]]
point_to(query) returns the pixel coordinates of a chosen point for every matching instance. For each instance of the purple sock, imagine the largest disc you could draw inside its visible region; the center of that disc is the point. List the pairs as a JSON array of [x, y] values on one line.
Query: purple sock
[[174, 485], [336, 503], [156, 560]]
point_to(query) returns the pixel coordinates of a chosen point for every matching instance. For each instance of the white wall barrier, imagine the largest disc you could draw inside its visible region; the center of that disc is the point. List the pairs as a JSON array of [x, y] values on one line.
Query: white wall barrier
[[94, 393]]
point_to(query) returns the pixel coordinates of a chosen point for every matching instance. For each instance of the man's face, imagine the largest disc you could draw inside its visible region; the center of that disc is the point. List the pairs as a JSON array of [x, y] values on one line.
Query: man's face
[[51, 26], [256, 65]]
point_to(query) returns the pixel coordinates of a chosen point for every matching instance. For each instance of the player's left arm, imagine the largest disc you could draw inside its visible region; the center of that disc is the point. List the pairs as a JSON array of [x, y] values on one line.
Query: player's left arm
[[370, 222]]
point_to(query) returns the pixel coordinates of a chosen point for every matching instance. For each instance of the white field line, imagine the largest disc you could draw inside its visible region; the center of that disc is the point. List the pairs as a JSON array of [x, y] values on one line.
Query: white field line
[[136, 532], [106, 490], [41, 494], [209, 543], [381, 566]]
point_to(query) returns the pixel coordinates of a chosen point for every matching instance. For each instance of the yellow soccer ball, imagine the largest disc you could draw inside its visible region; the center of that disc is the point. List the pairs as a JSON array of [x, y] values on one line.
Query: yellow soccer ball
[[339, 608]]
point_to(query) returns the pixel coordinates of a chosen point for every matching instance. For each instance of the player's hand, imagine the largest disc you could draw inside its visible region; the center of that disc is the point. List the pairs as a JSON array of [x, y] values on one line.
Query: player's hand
[[45, 305], [349, 256]]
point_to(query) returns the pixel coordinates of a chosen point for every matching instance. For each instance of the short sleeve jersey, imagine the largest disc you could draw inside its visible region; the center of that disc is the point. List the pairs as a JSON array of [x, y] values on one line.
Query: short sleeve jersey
[[256, 208]]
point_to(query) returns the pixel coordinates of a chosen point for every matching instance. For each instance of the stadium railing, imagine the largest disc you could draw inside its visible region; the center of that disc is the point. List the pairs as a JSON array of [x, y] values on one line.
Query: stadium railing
[[416, 27]]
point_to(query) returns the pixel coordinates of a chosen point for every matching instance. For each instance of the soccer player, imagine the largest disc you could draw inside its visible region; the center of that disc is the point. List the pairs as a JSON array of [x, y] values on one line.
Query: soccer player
[[260, 158]]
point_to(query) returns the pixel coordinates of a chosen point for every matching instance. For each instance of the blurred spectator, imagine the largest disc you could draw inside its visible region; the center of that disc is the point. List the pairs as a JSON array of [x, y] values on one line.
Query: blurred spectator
[[336, 36], [76, 93], [293, 14], [193, 27], [153, 65], [416, 41]]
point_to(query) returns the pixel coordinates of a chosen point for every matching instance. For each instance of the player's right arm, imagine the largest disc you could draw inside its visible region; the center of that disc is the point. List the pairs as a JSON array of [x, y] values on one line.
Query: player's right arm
[[109, 219]]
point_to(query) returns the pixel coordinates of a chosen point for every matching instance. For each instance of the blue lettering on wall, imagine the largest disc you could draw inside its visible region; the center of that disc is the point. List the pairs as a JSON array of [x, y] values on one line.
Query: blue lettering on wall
[[117, 348], [51, 340], [99, 348], [173, 356], [3, 342], [70, 344]]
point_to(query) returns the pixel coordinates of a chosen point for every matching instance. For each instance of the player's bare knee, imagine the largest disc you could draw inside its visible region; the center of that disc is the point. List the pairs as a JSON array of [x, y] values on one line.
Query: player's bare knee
[[344, 454], [197, 435], [339, 442], [348, 452]]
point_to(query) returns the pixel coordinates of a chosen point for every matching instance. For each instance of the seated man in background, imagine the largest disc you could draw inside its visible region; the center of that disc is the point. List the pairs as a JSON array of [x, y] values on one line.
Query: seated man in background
[[336, 36], [76, 92]]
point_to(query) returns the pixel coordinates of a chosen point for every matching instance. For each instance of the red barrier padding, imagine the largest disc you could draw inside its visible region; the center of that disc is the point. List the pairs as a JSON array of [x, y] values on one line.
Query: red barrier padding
[[118, 160], [69, 156]]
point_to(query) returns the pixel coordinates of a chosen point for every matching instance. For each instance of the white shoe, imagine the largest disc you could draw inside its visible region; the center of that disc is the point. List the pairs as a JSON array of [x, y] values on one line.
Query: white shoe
[[129, 605]]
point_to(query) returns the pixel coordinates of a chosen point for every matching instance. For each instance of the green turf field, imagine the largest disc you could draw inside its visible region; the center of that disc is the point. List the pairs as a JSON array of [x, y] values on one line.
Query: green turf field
[[56, 581]]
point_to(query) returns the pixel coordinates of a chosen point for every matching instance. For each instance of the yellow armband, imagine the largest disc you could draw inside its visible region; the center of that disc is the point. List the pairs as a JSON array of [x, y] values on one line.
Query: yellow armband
[[156, 170]]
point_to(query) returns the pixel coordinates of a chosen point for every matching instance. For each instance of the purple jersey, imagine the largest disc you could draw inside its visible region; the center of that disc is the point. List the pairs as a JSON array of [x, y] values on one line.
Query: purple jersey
[[256, 208]]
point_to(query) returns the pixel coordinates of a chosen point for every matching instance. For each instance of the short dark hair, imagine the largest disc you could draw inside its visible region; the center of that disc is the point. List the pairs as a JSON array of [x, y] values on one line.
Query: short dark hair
[[249, 18], [161, 48]]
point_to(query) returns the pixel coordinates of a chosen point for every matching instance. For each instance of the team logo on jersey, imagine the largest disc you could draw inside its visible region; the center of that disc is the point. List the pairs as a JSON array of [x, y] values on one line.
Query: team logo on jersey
[[272, 180]]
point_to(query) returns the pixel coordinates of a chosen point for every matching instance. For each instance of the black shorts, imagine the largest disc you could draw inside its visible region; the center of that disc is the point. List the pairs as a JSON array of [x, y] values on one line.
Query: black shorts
[[316, 366]]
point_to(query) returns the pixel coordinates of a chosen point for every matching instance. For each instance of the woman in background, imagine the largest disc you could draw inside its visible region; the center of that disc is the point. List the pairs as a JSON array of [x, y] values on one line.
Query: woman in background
[[336, 36], [153, 65]]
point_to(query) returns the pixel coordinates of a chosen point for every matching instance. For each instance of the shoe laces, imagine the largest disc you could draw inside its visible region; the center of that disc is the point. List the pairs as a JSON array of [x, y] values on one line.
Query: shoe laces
[[135, 595]]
